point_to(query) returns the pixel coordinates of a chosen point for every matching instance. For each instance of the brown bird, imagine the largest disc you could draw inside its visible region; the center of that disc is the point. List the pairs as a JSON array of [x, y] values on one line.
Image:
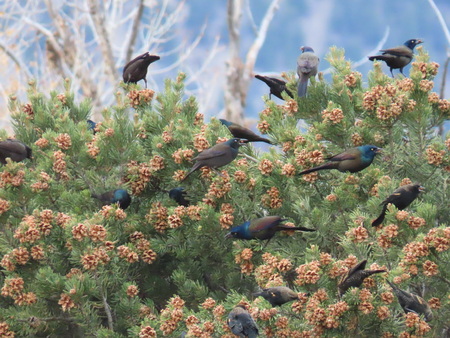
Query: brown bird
[[241, 323], [397, 57], [16, 150], [277, 295], [355, 277], [307, 64], [276, 86], [412, 303], [136, 69], [241, 132]]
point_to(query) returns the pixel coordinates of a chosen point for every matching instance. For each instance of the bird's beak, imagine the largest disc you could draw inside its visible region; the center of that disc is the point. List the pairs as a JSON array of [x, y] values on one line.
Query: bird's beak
[[243, 141], [378, 150], [228, 235], [421, 188], [419, 41], [302, 48]]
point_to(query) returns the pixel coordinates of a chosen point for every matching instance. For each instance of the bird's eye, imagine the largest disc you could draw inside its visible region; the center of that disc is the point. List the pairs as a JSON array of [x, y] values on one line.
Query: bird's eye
[[373, 149]]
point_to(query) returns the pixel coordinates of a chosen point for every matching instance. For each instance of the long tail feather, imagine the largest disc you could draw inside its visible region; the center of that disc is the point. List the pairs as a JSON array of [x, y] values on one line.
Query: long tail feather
[[302, 87], [380, 218], [284, 227]]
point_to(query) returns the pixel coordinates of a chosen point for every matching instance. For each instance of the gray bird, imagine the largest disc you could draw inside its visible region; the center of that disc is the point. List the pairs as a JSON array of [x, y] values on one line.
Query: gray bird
[[307, 64], [15, 150], [355, 277], [277, 295], [217, 156], [136, 69], [241, 323]]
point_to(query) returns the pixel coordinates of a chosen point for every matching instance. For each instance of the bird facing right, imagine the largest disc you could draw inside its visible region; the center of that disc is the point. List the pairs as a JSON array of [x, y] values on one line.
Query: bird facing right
[[16, 150], [355, 277], [277, 295], [307, 64], [136, 69], [241, 323]]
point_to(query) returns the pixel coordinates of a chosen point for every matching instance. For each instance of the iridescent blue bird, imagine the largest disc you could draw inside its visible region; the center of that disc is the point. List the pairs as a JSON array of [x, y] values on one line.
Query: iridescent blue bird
[[91, 125], [120, 196], [178, 195]]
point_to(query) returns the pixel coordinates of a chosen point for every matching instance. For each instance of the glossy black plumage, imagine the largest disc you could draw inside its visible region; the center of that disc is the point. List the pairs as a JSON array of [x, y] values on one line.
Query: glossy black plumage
[[307, 65], [355, 277], [136, 69], [397, 57], [276, 86], [178, 195], [244, 133], [412, 303], [241, 323], [120, 196], [277, 295], [16, 150], [401, 198]]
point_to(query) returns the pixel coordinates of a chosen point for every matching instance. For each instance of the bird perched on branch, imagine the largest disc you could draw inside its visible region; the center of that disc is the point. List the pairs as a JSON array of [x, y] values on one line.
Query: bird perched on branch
[[261, 228], [241, 323], [401, 198], [397, 57], [136, 69], [91, 125], [412, 303], [355, 277], [352, 160], [178, 195], [277, 295], [120, 196], [217, 156], [307, 64], [16, 150], [276, 86], [241, 132]]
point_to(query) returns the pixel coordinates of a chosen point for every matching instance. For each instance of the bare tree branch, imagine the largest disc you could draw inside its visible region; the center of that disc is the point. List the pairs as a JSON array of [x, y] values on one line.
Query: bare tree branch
[[441, 20], [134, 30]]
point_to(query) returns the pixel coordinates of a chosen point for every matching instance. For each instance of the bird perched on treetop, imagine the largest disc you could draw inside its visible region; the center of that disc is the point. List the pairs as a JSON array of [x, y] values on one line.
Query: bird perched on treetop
[[178, 195], [16, 150], [307, 64], [355, 277], [276, 86], [261, 228], [217, 156], [241, 132], [352, 160], [401, 198], [136, 69], [277, 295], [120, 196], [241, 323], [397, 57], [412, 303]]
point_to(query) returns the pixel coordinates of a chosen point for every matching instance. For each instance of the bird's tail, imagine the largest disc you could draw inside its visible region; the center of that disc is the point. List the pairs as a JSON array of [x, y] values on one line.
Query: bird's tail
[[195, 167], [328, 165], [285, 227], [377, 57], [380, 218], [262, 139], [302, 87]]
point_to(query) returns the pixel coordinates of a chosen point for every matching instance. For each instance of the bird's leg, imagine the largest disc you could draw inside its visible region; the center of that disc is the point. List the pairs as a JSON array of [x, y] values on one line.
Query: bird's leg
[[392, 73], [218, 172], [266, 244], [145, 80]]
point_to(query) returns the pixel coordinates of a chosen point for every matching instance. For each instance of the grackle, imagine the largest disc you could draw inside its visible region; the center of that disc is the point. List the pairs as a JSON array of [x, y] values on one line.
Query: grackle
[[14, 149], [397, 57], [352, 160], [120, 196], [307, 64], [241, 323], [178, 195], [401, 198], [241, 132], [91, 125], [136, 69], [276, 86], [355, 277], [277, 295]]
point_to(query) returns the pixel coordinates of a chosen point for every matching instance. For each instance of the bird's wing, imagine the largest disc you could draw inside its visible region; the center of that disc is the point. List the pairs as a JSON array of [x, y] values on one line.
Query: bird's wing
[[264, 224], [397, 51], [360, 266], [134, 60], [209, 153], [12, 147], [278, 81], [342, 157]]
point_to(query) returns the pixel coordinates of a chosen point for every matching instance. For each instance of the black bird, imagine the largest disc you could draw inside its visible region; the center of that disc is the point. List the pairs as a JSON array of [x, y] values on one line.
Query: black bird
[[178, 195], [241, 132], [120, 196], [401, 198], [412, 303], [136, 69], [307, 64], [217, 156], [16, 150], [261, 228], [91, 125], [352, 160], [276, 86], [241, 323], [277, 295], [397, 57], [355, 277]]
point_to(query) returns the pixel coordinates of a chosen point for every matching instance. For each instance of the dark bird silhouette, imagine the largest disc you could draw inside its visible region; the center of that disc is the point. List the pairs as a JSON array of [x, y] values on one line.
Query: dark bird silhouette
[[277, 295], [241, 323], [352, 160], [120, 196], [178, 195], [91, 125], [401, 198], [276, 86], [217, 156], [412, 303], [355, 277], [261, 228], [136, 69], [307, 64], [397, 57], [16, 150], [241, 132]]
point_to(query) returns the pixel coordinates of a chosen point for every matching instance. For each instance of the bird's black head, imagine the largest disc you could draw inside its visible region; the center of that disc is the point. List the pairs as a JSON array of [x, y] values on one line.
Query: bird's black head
[[305, 49], [150, 57], [225, 122], [235, 142], [412, 43], [418, 187]]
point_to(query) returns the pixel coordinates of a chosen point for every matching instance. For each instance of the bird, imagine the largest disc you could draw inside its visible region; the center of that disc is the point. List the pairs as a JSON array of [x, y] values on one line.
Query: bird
[[397, 57], [91, 125], [16, 150], [217, 156], [120, 196], [356, 276], [352, 160], [178, 195], [241, 132], [401, 198], [241, 323], [136, 69], [307, 64], [261, 228], [277, 295], [412, 303], [276, 86]]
